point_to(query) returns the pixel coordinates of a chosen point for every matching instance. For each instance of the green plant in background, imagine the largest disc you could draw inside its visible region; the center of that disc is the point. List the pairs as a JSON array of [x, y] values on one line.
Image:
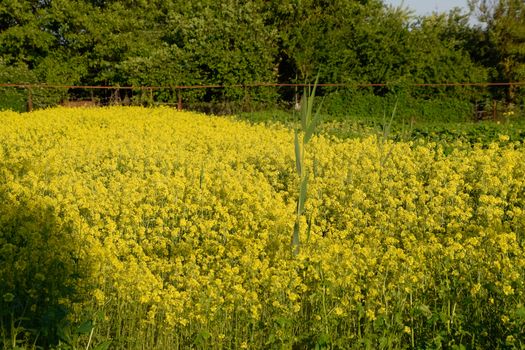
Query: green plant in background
[[385, 135], [308, 125], [208, 43], [72, 336], [16, 98]]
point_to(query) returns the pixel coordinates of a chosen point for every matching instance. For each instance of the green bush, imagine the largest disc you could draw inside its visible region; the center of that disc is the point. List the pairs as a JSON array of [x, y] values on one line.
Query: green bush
[[365, 104], [15, 98]]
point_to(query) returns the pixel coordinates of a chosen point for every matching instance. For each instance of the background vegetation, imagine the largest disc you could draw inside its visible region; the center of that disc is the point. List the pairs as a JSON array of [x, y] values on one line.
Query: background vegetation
[[168, 43]]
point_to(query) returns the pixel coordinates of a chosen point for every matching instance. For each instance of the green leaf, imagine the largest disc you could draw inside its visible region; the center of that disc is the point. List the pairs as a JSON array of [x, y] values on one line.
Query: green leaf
[[425, 310], [271, 340], [85, 327], [323, 340], [309, 132], [520, 312], [64, 333], [316, 167], [459, 347], [298, 159], [283, 321], [201, 338], [304, 110], [103, 346], [310, 102], [303, 195], [312, 127], [309, 228], [295, 237]]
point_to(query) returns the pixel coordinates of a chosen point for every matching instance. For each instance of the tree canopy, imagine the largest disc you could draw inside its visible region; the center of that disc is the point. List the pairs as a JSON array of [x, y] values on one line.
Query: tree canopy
[[136, 42]]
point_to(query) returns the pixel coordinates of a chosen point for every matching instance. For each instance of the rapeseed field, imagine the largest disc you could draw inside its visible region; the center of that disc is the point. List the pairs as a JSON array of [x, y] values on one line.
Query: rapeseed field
[[135, 228]]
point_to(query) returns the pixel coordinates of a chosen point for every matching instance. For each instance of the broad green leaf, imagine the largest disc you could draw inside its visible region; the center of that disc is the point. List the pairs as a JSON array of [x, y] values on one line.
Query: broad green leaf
[[520, 312], [103, 346], [85, 327], [425, 310]]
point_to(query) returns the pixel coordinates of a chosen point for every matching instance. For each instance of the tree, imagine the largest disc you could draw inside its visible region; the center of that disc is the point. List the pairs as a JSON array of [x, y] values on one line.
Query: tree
[[21, 38], [225, 43], [440, 52], [504, 22], [324, 36]]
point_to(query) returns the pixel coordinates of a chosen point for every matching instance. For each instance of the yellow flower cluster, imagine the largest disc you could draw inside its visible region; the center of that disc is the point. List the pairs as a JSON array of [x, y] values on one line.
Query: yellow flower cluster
[[178, 227]]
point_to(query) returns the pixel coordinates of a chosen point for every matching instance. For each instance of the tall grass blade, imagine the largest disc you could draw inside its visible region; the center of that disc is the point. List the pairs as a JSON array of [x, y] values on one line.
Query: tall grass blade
[[310, 102], [309, 228], [298, 159], [303, 195], [308, 127], [304, 110], [295, 237], [387, 128], [315, 121]]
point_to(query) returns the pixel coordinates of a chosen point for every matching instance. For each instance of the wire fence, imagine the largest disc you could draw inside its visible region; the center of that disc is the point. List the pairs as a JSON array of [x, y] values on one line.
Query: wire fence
[[487, 100]]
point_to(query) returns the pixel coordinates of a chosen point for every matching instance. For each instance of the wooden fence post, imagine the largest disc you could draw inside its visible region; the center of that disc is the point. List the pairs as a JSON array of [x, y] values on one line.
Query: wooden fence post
[[179, 101], [29, 100]]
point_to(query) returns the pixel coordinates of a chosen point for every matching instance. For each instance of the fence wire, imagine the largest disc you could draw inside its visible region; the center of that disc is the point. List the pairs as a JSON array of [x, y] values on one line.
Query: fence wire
[[486, 100]]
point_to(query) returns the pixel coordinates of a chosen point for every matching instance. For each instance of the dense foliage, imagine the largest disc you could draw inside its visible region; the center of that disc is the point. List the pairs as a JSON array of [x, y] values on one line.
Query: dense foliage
[[123, 42], [151, 228]]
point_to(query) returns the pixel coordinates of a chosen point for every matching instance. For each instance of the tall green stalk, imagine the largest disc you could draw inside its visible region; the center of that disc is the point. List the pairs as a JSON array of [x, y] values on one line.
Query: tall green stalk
[[303, 135]]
